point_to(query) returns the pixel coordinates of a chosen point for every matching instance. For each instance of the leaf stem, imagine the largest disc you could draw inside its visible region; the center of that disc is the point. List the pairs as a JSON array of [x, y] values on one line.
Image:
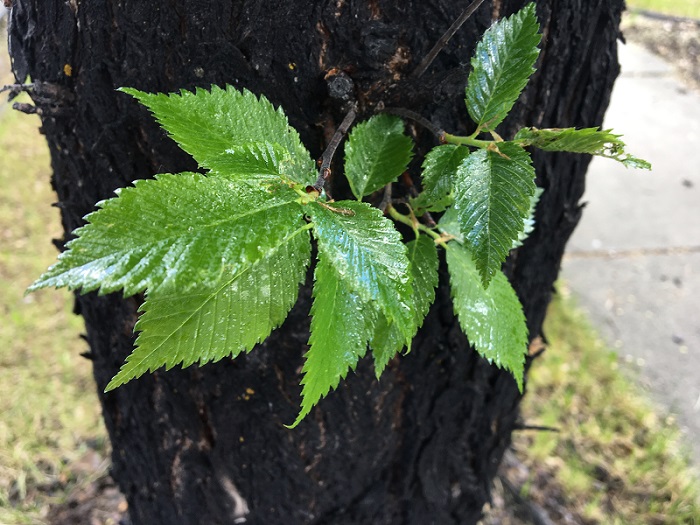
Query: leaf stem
[[412, 115], [417, 226], [466, 141]]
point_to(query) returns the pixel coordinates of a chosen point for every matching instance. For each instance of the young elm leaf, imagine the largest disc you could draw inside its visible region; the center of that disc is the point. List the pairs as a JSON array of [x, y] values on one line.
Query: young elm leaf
[[341, 326], [502, 64], [492, 318], [439, 170], [366, 252], [221, 320], [256, 163], [593, 141], [180, 230], [206, 124], [376, 153], [387, 340], [493, 196]]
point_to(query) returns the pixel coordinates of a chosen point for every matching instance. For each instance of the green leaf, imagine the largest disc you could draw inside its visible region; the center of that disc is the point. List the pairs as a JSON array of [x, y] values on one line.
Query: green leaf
[[341, 326], [366, 251], [493, 198], [255, 163], [529, 226], [180, 230], [492, 318], [593, 141], [377, 153], [502, 64], [439, 170], [449, 224], [207, 124], [387, 340], [221, 320]]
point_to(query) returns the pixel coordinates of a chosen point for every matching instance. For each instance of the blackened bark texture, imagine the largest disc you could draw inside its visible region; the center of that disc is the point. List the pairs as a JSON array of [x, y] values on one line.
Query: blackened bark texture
[[207, 445]]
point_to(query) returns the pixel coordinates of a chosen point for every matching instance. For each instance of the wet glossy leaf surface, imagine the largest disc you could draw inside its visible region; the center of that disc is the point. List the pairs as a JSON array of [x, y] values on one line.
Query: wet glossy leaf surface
[[493, 193], [377, 152], [387, 340], [492, 318], [439, 171], [502, 64], [221, 320], [366, 251], [207, 123], [180, 230], [341, 326]]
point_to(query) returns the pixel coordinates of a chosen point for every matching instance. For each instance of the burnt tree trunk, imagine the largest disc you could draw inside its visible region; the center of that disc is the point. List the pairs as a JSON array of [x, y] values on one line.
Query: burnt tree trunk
[[207, 445]]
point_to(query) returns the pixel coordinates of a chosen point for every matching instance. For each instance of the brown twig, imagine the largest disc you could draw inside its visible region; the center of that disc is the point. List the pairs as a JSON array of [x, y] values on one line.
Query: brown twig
[[324, 171], [412, 115], [444, 39]]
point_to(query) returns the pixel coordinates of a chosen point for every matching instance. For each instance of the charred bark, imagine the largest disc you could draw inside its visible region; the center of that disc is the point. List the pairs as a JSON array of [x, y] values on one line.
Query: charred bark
[[207, 445]]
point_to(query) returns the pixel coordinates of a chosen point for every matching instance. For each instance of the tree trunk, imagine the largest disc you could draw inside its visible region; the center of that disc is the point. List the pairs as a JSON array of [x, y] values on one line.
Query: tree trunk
[[207, 445]]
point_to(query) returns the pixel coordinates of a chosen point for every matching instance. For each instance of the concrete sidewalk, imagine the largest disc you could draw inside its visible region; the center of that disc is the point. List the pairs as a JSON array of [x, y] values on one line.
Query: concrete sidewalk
[[634, 261]]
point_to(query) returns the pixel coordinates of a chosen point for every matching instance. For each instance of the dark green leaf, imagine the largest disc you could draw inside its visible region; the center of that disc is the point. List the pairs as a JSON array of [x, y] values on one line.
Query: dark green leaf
[[183, 230], [501, 66], [439, 171], [366, 251], [387, 340], [341, 326], [207, 124], [492, 197], [492, 318], [377, 153]]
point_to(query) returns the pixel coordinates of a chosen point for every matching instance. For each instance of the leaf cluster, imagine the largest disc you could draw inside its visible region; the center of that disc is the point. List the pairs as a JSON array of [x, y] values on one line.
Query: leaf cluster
[[221, 255]]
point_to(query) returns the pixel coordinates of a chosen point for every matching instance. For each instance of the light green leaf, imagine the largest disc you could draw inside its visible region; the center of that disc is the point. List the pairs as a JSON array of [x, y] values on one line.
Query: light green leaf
[[502, 64], [593, 141], [366, 251], [255, 163], [222, 320], [206, 124], [492, 318], [387, 340], [377, 152], [530, 221], [493, 196], [439, 171], [179, 230], [341, 325]]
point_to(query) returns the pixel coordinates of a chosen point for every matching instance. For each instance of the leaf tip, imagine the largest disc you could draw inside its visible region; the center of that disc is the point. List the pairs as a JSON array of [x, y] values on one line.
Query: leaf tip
[[305, 409]]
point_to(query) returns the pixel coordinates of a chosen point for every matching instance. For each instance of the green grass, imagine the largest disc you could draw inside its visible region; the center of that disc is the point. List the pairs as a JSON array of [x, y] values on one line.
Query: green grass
[[617, 459], [50, 410], [686, 8]]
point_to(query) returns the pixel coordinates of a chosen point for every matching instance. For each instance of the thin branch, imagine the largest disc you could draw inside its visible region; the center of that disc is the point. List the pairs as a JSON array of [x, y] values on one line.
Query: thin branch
[[412, 115], [408, 182], [386, 199], [324, 171], [16, 89], [444, 39], [538, 428]]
